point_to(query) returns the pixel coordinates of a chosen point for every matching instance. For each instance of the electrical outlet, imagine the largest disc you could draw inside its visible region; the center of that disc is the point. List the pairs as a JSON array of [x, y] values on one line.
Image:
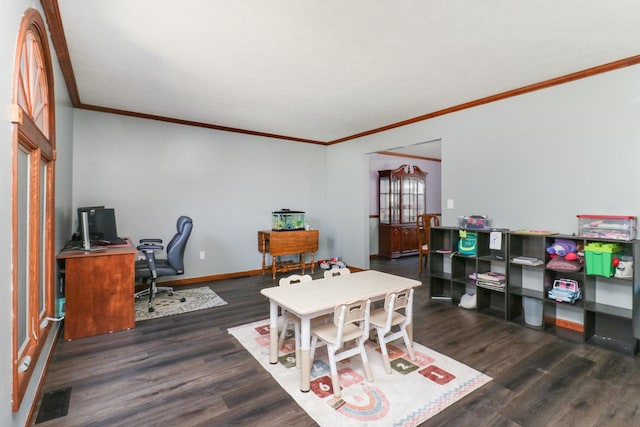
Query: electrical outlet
[[202, 255], [449, 203]]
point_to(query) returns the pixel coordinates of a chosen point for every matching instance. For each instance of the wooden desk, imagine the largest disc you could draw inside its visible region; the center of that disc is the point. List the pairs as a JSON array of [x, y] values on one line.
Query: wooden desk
[[277, 243], [309, 300], [99, 291]]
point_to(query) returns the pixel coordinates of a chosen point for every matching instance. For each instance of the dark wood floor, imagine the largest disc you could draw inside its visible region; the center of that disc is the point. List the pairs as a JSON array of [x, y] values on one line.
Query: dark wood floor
[[186, 370]]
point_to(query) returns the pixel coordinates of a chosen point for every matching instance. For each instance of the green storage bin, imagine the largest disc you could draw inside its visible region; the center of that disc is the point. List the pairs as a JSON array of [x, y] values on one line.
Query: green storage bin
[[599, 258]]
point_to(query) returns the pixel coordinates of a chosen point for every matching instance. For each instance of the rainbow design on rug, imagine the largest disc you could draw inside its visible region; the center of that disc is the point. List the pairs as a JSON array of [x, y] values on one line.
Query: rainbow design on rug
[[415, 391], [368, 405]]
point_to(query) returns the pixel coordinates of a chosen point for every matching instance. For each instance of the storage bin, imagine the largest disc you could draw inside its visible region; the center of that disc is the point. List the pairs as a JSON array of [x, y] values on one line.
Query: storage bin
[[532, 311], [599, 258], [287, 220], [474, 222], [607, 227]]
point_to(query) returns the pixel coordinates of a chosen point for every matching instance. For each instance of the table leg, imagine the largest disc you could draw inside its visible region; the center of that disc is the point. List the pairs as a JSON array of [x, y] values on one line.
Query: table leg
[[264, 254], [273, 332], [273, 265], [305, 354], [301, 262]]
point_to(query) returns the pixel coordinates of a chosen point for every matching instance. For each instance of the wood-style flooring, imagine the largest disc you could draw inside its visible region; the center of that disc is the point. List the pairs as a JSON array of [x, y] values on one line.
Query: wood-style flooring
[[186, 370]]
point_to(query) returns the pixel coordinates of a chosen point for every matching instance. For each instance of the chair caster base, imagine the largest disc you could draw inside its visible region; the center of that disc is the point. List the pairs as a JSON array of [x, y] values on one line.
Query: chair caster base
[[151, 309], [183, 299]]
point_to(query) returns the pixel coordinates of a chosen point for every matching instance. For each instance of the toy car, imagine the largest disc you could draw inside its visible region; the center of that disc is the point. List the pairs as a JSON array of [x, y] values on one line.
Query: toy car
[[565, 290]]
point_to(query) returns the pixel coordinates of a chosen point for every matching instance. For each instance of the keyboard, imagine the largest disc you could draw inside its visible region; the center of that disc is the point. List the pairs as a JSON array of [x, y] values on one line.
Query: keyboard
[[118, 241], [77, 244]]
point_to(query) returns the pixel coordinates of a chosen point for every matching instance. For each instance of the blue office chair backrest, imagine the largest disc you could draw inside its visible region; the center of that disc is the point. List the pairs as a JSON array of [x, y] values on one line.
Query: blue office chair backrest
[[177, 245]]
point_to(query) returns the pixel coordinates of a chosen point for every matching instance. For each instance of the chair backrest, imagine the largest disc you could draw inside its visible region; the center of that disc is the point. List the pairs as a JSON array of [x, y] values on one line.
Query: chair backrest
[[351, 312], [397, 300], [424, 223], [177, 245], [294, 279], [336, 272]]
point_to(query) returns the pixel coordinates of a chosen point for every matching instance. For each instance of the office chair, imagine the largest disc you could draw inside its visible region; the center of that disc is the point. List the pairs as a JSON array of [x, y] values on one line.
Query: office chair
[[151, 268]]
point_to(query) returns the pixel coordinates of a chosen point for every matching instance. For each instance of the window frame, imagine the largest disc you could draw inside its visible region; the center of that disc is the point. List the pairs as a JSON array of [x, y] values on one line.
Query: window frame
[[33, 118]]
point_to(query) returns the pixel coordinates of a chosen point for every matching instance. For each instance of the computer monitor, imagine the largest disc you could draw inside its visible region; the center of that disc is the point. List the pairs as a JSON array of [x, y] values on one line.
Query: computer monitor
[[90, 210], [104, 225], [86, 239]]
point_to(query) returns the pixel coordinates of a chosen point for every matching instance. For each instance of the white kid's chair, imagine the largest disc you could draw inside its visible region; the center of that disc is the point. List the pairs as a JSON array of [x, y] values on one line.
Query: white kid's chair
[[336, 272], [288, 318], [350, 323], [384, 319]]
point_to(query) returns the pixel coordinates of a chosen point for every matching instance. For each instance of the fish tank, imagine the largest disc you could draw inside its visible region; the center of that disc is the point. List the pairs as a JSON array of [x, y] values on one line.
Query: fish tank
[[287, 220]]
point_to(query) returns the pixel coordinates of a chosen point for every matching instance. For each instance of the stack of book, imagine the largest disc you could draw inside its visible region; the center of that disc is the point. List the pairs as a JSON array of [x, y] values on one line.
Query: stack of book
[[525, 260], [491, 280]]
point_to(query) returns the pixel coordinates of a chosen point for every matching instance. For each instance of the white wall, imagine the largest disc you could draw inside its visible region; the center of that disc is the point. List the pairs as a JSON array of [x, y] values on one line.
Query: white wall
[[11, 13], [532, 161], [151, 172]]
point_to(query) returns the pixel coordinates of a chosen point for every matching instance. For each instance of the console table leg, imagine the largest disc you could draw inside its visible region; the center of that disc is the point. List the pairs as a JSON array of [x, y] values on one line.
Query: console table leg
[[301, 262], [273, 266], [312, 261]]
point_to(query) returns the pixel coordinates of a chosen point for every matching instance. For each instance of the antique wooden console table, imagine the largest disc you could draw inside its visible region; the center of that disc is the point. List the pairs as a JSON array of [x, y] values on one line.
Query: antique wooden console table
[[278, 243]]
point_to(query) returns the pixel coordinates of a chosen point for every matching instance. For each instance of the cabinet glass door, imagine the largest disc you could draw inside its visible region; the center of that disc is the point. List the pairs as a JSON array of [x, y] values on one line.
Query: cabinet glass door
[[395, 199], [409, 203], [384, 199], [421, 197]]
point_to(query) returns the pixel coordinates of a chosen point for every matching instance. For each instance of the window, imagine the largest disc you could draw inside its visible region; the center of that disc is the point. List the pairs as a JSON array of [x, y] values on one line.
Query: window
[[32, 204]]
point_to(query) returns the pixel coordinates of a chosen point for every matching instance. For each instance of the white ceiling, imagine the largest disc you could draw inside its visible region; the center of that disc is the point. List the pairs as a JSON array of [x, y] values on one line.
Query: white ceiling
[[326, 70]]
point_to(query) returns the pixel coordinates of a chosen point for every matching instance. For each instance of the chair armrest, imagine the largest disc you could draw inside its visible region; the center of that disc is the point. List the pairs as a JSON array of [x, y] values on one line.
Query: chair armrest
[[150, 241], [149, 252], [149, 248]]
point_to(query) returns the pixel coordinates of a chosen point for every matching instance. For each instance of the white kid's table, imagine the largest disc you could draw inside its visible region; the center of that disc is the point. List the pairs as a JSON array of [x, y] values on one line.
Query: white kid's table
[[313, 299]]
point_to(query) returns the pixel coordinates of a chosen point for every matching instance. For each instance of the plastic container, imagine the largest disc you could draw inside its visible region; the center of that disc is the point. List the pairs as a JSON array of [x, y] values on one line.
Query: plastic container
[[287, 220], [532, 311], [599, 258], [607, 227], [474, 222]]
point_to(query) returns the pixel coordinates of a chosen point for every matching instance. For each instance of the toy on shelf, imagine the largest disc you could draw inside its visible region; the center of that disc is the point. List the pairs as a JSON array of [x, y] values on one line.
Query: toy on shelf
[[565, 290], [327, 264], [566, 255], [561, 247]]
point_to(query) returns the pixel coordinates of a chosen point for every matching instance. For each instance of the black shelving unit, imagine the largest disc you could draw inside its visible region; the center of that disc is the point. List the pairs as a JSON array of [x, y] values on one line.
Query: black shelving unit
[[607, 315]]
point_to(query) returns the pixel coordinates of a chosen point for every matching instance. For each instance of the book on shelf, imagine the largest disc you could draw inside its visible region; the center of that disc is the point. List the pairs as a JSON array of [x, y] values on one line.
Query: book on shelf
[[525, 260], [491, 276], [491, 285]]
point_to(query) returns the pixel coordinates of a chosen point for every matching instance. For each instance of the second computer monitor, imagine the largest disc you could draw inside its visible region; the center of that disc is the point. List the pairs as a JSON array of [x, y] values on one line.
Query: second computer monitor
[[104, 225]]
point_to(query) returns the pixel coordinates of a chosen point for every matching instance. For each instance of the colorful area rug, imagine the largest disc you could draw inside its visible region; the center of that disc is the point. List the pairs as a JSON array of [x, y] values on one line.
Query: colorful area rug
[[414, 392], [165, 305]]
